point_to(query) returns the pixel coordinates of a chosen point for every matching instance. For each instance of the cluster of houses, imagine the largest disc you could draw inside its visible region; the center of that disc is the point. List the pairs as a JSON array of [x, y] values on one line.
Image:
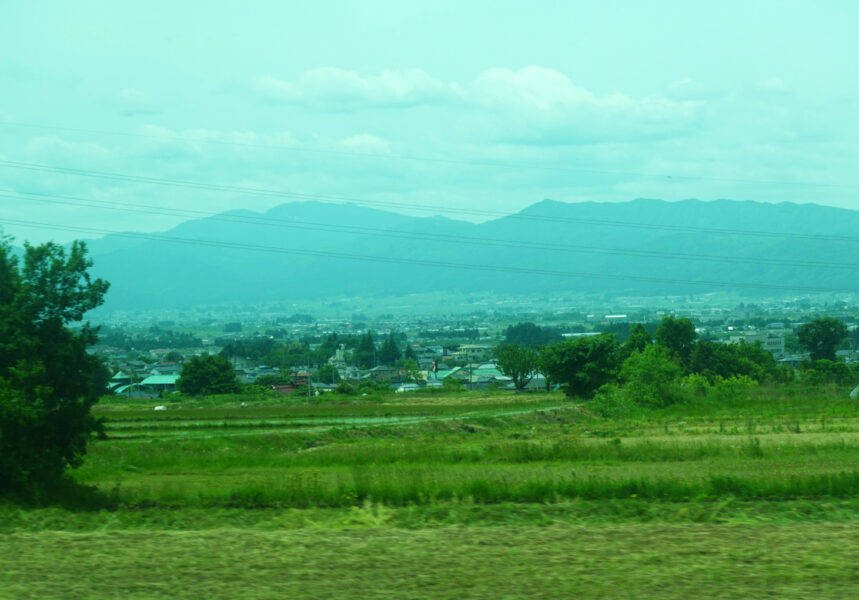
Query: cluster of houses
[[471, 366], [138, 379]]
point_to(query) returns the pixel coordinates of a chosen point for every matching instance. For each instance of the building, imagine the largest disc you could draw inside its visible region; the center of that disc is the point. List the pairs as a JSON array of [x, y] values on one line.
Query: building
[[772, 342]]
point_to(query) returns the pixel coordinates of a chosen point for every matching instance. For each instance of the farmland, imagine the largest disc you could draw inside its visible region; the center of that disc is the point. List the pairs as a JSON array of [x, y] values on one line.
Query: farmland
[[453, 495]]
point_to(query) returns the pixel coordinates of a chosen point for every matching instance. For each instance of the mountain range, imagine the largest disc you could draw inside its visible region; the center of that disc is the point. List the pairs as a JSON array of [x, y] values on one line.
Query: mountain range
[[305, 250]]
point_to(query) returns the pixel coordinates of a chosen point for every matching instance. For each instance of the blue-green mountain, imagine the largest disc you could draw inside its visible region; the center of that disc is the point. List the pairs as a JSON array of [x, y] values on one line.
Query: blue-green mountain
[[308, 250]]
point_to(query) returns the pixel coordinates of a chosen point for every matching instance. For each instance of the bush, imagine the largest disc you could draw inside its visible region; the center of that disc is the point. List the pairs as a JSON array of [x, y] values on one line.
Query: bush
[[649, 375], [612, 402], [346, 388]]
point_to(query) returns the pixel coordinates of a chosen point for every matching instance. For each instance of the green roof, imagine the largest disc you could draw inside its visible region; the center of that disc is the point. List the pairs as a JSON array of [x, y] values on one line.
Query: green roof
[[160, 380]]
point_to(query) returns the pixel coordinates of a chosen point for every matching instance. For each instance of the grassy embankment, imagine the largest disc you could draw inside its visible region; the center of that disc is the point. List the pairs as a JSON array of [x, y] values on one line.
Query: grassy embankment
[[421, 496]]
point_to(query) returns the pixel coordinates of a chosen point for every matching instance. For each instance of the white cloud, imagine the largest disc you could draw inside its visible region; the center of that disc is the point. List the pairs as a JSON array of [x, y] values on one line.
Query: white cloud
[[771, 85], [543, 106], [364, 143], [331, 88], [133, 101], [54, 147], [533, 105]]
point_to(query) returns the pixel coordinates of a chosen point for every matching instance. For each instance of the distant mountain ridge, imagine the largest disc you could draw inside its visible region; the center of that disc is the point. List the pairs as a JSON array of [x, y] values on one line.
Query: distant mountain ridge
[[306, 250]]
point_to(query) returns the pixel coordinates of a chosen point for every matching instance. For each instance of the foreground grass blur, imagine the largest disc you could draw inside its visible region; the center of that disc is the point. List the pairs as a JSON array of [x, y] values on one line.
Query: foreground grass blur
[[440, 496]]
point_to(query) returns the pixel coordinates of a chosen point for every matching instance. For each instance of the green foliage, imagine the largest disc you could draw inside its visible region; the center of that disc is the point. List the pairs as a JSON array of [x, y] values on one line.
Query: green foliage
[[517, 362], [389, 353], [174, 356], [205, 375], [452, 385], [530, 335], [678, 335], [346, 388], [639, 339], [269, 380], [582, 365], [48, 381], [410, 371], [822, 372], [255, 348], [714, 360], [365, 353], [821, 337], [327, 374], [649, 375], [696, 384]]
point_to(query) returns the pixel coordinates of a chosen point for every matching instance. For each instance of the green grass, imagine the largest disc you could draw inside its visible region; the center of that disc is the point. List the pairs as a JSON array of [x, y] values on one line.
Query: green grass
[[446, 496]]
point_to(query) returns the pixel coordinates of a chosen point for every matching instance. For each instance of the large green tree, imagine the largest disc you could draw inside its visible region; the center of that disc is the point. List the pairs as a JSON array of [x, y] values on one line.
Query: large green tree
[[582, 365], [205, 375], [389, 353], [678, 335], [517, 362], [48, 380], [821, 337], [365, 352]]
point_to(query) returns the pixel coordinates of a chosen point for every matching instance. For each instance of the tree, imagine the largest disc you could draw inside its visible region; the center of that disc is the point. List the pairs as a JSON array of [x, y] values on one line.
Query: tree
[[582, 365], [713, 360], [48, 380], [639, 339], [327, 374], [821, 337], [648, 376], [410, 371], [530, 335], [678, 335], [517, 362], [206, 375], [174, 356], [365, 352], [389, 353]]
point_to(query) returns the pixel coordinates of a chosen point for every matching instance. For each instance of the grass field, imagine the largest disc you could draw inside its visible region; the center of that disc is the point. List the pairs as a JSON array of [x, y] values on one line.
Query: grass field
[[463, 496]]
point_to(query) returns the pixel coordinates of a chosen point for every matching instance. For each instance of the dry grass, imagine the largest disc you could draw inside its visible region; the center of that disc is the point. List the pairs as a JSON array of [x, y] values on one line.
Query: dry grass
[[561, 561]]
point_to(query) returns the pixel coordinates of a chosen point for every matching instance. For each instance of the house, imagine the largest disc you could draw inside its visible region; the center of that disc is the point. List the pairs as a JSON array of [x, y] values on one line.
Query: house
[[160, 384], [383, 373], [119, 380], [473, 353]]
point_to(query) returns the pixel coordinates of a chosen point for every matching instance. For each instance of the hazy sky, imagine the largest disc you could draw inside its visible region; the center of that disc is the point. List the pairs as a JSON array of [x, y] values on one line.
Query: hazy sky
[[430, 105]]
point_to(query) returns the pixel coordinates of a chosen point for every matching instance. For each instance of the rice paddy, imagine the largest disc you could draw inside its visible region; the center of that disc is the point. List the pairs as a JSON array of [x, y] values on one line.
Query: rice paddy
[[440, 495]]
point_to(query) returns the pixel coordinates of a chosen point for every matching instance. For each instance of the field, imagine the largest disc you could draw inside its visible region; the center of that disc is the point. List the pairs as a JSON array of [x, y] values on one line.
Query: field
[[469, 495]]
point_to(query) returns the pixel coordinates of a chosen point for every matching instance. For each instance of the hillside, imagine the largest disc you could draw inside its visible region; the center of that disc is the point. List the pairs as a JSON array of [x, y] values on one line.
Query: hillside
[[642, 247]]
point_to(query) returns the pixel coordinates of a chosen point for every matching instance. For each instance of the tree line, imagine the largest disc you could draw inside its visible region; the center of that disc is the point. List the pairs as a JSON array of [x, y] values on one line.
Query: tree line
[[646, 364]]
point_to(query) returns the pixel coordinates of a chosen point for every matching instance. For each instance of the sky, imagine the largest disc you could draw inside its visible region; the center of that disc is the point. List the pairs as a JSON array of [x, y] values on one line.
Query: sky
[[118, 116]]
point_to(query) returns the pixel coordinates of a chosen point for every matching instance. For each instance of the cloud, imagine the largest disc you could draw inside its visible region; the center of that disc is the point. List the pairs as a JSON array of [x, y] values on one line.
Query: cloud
[[54, 147], [133, 102], [544, 107], [330, 88], [771, 85], [364, 143], [533, 105]]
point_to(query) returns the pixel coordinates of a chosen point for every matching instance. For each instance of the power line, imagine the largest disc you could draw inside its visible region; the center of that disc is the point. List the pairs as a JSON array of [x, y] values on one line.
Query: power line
[[377, 232], [425, 159], [402, 206], [419, 262]]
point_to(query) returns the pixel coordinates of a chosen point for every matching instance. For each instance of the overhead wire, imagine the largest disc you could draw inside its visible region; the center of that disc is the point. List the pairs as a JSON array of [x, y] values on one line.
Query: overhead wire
[[426, 159], [404, 206], [412, 235], [422, 262]]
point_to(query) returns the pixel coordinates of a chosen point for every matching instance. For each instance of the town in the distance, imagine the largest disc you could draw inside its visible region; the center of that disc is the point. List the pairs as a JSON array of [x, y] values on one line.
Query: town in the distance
[[362, 346]]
